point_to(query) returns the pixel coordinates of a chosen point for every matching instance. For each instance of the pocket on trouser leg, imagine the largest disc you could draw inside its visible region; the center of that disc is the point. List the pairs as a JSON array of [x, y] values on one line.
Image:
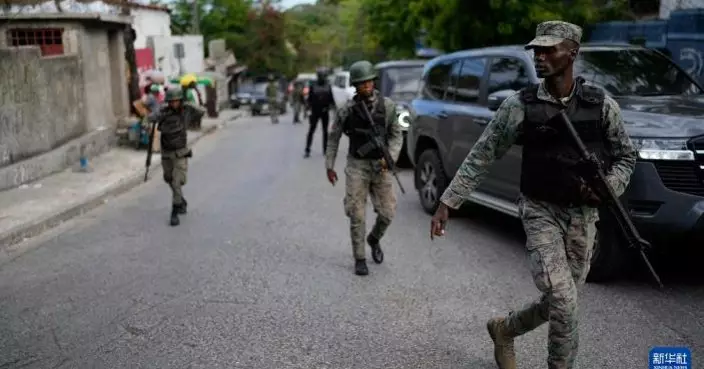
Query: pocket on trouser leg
[[548, 262]]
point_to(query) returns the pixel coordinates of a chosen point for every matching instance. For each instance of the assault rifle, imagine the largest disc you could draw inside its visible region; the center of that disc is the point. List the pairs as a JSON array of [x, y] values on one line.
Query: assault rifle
[[377, 142], [593, 175], [149, 150]]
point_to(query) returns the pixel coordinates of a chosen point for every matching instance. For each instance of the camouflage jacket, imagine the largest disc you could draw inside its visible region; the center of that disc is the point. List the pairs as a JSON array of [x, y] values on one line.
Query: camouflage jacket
[[394, 130], [271, 90], [191, 112], [503, 130]]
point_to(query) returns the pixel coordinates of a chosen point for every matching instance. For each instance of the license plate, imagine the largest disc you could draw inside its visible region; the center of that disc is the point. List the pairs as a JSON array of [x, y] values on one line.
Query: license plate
[[243, 101], [265, 106]]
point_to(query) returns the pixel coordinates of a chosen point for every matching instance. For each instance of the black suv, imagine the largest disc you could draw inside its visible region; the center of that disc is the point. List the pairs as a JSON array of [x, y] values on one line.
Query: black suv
[[662, 106]]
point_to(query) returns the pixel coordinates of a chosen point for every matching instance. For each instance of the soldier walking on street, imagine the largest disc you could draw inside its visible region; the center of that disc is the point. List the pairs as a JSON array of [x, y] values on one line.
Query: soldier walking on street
[[272, 92], [172, 121], [366, 171], [297, 100], [558, 210], [319, 100]]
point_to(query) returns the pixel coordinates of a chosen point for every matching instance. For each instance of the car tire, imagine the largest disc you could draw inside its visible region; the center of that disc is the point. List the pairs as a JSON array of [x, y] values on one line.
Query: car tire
[[430, 180], [609, 254]]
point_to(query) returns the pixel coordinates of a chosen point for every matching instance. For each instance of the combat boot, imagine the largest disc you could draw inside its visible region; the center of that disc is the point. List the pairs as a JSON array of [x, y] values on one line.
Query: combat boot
[[182, 209], [504, 353], [377, 254], [360, 267], [174, 216]]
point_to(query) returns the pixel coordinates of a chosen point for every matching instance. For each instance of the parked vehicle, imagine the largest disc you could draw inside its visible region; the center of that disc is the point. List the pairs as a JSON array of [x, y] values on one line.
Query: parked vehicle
[[399, 80], [260, 103], [242, 97], [662, 106]]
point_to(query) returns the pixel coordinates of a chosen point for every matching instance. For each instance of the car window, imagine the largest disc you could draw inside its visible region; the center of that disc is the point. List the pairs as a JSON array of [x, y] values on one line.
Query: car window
[[401, 82], [455, 71], [633, 72], [340, 81], [469, 80], [438, 80], [508, 74]]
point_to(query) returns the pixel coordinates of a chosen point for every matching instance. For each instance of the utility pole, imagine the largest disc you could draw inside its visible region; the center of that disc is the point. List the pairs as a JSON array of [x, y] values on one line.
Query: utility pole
[[196, 18]]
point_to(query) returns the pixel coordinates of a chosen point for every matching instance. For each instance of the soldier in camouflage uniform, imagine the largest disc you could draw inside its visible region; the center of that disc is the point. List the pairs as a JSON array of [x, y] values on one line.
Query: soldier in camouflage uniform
[[172, 121], [297, 100], [557, 209], [366, 171], [272, 91]]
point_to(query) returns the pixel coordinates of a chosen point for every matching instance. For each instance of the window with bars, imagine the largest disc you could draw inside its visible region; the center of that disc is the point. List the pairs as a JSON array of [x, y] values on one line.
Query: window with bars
[[49, 40]]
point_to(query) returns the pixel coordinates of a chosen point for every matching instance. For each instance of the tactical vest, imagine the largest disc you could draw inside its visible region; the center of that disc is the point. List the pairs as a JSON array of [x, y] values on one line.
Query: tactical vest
[[174, 133], [549, 162], [358, 129], [321, 96]]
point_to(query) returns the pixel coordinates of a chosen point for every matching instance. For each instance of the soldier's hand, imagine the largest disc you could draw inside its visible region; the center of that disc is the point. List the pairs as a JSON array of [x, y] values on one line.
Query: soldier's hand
[[589, 196], [437, 224], [332, 176]]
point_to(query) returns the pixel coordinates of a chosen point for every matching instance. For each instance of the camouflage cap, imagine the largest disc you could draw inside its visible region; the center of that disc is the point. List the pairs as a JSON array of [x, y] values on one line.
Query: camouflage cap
[[551, 33]]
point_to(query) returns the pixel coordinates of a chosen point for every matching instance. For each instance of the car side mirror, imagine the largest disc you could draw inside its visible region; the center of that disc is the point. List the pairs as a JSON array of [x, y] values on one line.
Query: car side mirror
[[497, 98]]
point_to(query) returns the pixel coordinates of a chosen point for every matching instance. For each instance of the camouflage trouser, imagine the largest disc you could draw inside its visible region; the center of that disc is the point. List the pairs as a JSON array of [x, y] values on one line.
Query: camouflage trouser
[[175, 166], [364, 178], [273, 110], [297, 110], [560, 243]]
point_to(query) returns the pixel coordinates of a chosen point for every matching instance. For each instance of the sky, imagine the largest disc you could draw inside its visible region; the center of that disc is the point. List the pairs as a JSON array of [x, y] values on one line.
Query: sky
[[290, 3]]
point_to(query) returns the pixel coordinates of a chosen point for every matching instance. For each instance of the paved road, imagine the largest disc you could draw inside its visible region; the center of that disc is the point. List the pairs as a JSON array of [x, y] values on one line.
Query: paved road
[[259, 275]]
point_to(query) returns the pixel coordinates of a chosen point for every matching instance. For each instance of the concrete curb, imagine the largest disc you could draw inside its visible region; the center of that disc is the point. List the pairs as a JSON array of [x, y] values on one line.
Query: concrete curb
[[38, 226]]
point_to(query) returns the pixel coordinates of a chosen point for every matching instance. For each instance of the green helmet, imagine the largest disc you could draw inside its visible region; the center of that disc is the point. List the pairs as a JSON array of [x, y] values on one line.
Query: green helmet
[[174, 94], [362, 71]]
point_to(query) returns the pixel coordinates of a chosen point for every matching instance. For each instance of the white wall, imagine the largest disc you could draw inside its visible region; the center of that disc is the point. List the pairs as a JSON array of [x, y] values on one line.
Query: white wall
[[166, 61], [148, 22]]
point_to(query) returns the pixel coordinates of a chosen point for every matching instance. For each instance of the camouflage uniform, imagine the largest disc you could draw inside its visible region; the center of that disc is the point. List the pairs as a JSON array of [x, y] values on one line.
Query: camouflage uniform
[[271, 94], [560, 239], [365, 176], [175, 152], [297, 101]]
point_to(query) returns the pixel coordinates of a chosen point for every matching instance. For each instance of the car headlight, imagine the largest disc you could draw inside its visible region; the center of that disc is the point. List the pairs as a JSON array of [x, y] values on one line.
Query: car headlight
[[404, 118], [663, 149]]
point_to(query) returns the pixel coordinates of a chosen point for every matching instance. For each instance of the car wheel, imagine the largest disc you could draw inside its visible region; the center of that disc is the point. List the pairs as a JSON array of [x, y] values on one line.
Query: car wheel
[[609, 254], [430, 179]]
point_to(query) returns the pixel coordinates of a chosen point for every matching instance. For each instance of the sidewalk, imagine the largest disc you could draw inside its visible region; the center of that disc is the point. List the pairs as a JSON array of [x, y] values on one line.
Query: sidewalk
[[32, 208]]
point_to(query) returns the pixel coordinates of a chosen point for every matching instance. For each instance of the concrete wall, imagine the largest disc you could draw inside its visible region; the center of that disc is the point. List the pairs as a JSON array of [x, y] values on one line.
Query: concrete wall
[[41, 102], [55, 109], [98, 87]]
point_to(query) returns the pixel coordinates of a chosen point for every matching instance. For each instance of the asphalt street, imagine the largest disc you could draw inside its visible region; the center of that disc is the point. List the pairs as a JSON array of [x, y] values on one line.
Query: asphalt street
[[259, 275]]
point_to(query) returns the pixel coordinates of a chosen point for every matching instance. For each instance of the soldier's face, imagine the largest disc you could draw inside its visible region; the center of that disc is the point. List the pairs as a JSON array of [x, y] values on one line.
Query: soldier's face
[[365, 88], [175, 104], [553, 61]]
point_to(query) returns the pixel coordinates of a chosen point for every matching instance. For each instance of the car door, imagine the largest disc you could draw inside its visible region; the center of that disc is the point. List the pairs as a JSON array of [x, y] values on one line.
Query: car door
[[468, 105], [507, 73]]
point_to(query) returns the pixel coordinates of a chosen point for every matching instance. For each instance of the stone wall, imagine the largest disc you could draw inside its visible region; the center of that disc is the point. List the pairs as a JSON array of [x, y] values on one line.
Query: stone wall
[[41, 102]]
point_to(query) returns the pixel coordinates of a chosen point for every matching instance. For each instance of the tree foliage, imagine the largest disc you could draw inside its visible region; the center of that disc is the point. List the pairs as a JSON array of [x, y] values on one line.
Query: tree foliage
[[339, 32]]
